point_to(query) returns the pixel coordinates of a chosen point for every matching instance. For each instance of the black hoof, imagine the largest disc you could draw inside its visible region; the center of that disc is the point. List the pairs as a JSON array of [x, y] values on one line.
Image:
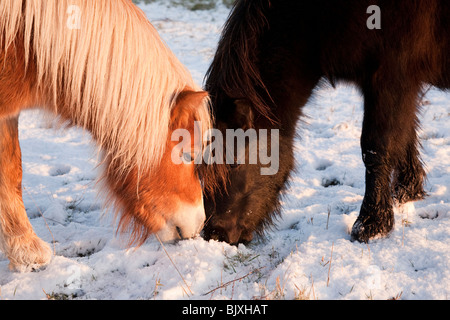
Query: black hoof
[[372, 223]]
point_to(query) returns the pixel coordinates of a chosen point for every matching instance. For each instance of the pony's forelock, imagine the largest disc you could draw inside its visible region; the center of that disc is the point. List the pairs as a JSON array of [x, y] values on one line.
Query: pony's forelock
[[235, 71]]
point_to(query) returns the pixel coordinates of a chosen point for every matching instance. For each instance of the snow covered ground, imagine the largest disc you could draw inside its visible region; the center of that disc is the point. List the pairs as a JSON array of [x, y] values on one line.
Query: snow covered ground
[[308, 256]]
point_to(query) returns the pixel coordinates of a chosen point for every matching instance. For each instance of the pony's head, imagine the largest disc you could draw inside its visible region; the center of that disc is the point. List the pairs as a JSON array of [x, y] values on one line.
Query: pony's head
[[178, 171], [241, 192], [167, 200]]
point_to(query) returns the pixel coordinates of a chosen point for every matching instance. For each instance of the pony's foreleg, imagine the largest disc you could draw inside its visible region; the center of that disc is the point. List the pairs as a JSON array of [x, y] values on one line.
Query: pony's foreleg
[[389, 125], [18, 241]]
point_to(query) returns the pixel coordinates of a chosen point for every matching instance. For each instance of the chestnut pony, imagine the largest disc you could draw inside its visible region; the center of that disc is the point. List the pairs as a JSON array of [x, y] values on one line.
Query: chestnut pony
[[99, 65]]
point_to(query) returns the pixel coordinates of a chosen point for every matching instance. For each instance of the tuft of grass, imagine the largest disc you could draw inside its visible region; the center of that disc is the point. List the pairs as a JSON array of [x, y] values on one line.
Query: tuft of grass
[[397, 297], [300, 294], [60, 296], [158, 285], [239, 259], [369, 296]]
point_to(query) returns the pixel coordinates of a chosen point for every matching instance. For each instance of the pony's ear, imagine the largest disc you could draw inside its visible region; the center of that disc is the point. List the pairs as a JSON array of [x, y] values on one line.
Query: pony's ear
[[185, 109], [244, 114], [191, 98]]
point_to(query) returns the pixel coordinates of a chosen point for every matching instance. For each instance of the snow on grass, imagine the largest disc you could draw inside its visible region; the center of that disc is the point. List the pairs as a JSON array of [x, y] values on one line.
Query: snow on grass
[[308, 256]]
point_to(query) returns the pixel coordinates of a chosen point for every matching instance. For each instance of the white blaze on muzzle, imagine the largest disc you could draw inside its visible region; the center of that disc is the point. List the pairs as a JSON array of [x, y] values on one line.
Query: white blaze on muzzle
[[186, 223]]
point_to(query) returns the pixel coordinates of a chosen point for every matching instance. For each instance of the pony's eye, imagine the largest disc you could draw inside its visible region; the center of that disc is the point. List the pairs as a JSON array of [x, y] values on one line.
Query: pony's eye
[[188, 157], [235, 164]]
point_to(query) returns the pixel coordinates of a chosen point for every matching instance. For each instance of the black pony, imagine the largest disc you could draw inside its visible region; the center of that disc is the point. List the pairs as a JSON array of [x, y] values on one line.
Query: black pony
[[271, 56]]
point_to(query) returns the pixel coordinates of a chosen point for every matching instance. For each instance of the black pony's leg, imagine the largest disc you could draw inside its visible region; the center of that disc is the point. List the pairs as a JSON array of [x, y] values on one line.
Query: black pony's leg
[[389, 132], [409, 175]]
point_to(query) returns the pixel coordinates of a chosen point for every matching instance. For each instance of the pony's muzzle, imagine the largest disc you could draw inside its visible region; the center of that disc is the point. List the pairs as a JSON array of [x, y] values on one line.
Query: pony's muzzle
[[186, 223]]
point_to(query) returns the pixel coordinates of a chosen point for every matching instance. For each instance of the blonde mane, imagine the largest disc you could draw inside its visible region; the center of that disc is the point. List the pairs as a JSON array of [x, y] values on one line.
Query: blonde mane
[[111, 73]]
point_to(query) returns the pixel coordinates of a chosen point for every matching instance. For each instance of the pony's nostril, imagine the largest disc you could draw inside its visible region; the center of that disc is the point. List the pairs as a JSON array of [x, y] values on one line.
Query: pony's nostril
[[180, 234]]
